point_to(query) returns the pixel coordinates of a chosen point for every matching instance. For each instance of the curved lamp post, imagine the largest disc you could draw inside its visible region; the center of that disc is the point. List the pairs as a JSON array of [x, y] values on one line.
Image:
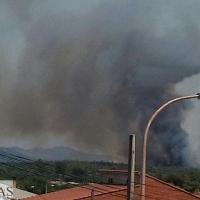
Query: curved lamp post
[[145, 138]]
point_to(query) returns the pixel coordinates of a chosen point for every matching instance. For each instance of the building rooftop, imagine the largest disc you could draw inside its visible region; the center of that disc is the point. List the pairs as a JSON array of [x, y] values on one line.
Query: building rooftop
[[81, 192], [113, 171], [155, 190]]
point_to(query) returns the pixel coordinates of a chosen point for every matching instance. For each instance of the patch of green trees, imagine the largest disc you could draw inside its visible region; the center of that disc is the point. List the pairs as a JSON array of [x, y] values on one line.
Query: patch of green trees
[[41, 174], [186, 178]]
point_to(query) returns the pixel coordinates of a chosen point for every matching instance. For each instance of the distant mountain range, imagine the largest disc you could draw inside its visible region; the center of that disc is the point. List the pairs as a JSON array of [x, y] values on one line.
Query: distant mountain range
[[51, 154]]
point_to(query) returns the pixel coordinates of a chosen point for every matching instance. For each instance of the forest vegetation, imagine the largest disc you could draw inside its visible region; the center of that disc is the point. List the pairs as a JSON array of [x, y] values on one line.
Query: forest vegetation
[[41, 174]]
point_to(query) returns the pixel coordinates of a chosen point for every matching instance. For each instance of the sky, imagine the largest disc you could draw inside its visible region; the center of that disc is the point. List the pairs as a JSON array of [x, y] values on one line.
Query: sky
[[87, 74]]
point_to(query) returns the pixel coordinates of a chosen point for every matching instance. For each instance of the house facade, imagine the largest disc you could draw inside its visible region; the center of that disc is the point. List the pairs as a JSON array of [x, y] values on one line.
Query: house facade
[[8, 190]]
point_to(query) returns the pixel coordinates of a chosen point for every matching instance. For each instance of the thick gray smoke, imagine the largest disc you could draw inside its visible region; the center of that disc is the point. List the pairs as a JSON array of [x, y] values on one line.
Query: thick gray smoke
[[95, 71]]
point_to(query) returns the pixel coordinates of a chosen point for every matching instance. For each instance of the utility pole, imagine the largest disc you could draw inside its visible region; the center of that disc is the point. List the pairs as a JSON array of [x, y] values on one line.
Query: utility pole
[[131, 168]]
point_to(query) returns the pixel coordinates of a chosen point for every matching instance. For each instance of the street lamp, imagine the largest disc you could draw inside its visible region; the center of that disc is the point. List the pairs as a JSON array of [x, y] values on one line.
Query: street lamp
[[32, 186], [47, 187], [145, 138]]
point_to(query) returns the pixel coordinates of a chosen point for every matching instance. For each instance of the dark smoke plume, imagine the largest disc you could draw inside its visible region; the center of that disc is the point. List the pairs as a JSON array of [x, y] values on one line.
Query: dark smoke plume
[[95, 72]]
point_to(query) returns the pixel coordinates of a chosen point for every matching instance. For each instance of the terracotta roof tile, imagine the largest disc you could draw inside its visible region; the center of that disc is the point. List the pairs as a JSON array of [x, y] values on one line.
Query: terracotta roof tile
[[78, 192], [155, 190]]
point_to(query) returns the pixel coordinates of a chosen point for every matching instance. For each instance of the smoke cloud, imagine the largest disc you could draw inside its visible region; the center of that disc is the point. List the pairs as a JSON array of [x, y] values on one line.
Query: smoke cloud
[[94, 72]]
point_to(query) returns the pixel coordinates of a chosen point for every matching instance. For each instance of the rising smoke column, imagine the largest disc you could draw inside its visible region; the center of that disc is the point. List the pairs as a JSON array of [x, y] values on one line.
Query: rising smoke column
[[97, 72], [146, 83]]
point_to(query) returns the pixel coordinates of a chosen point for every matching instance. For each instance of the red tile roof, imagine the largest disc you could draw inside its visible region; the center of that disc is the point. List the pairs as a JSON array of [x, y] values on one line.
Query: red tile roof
[[155, 190], [81, 192]]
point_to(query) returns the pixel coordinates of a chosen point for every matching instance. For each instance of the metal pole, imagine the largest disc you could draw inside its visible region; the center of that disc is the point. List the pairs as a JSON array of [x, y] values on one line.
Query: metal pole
[[131, 168], [145, 138], [46, 188]]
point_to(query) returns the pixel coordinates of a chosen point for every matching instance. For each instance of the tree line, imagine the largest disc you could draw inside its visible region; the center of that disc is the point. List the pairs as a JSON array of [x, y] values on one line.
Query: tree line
[[42, 176]]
